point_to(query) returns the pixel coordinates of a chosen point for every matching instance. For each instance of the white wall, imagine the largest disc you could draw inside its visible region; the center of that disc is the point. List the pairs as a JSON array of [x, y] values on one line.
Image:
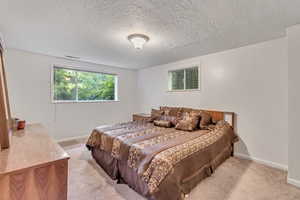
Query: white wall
[[294, 104], [250, 81], [29, 78]]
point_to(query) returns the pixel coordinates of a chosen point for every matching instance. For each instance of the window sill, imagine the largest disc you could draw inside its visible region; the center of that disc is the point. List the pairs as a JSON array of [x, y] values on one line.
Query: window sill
[[188, 90], [100, 101]]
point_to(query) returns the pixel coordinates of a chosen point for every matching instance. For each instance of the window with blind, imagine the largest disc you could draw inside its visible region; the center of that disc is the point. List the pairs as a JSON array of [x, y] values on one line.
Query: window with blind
[[184, 79], [70, 85]]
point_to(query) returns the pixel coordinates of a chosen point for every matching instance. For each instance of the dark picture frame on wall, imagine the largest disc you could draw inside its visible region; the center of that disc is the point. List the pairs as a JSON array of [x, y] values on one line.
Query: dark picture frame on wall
[[5, 115]]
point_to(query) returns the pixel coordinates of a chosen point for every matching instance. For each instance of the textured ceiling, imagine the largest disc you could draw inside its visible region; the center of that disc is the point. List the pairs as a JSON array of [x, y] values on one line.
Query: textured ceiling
[[96, 30]]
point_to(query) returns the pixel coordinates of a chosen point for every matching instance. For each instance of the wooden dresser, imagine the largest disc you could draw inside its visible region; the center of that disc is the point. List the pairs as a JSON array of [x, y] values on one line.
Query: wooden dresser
[[35, 167]]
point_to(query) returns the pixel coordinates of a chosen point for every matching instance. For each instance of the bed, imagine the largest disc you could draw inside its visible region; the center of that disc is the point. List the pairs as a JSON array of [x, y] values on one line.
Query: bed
[[163, 163]]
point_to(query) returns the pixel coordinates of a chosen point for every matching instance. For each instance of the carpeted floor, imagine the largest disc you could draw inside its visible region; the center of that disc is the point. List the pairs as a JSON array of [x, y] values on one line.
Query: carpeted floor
[[236, 179]]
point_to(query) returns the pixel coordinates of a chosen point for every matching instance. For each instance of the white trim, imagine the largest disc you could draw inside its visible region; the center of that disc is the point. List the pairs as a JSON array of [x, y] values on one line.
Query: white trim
[[95, 101], [293, 182], [261, 161], [78, 68], [117, 88], [2, 41], [72, 138], [186, 90]]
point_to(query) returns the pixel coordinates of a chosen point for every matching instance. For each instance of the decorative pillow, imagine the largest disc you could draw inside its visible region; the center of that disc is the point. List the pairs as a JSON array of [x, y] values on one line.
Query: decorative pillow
[[189, 122], [162, 123], [171, 119], [171, 111], [156, 114], [221, 123], [214, 121], [209, 127], [206, 119]]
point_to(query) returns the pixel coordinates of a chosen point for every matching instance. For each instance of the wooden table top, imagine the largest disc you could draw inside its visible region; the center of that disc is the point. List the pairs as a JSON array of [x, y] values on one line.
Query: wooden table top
[[29, 148]]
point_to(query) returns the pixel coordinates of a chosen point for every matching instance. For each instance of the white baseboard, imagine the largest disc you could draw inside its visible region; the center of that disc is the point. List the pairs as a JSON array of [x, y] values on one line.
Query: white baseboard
[[72, 138], [293, 182], [261, 161]]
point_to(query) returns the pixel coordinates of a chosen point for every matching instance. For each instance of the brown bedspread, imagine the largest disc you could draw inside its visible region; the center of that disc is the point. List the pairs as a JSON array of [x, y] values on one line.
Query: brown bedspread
[[165, 157]]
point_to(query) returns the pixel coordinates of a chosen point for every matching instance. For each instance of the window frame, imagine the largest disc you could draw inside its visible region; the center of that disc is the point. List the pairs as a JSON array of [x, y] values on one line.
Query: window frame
[[189, 66], [52, 86]]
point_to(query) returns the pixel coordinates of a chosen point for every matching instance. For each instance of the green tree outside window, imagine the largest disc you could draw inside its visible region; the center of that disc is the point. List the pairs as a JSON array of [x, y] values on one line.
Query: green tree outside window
[[75, 85]]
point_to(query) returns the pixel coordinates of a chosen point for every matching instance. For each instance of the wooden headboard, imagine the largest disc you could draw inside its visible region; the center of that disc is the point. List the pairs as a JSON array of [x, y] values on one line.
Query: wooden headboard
[[222, 115], [216, 115]]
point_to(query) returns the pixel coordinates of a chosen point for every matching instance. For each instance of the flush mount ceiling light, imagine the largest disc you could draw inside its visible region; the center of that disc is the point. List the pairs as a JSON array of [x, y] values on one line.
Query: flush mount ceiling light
[[138, 40]]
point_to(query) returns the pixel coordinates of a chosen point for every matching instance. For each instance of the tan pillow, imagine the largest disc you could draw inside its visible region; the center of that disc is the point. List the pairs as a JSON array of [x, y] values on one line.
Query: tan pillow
[[172, 114], [156, 114], [163, 123], [189, 122], [206, 120], [171, 111], [173, 119]]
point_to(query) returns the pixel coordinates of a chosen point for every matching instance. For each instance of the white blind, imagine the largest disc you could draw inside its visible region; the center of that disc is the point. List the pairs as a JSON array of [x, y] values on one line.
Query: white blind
[[191, 78], [184, 79], [177, 80]]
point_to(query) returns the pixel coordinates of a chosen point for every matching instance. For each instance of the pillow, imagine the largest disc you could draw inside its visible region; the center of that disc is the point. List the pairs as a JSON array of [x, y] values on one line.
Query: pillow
[[170, 111], [211, 127], [173, 119], [189, 122], [221, 123], [163, 123], [206, 119], [156, 114], [172, 114]]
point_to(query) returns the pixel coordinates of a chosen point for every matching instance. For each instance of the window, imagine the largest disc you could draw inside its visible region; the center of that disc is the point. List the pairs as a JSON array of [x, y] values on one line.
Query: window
[[71, 85], [184, 79]]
